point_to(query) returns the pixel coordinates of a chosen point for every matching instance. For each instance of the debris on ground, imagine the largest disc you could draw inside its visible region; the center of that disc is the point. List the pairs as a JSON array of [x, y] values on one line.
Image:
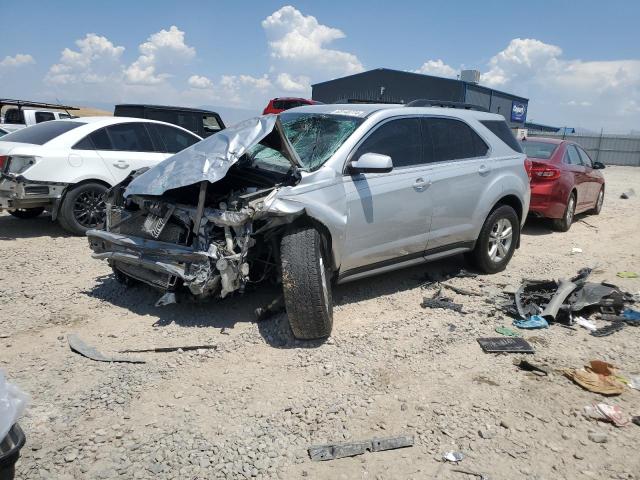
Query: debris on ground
[[626, 274], [507, 332], [272, 308], [613, 327], [575, 250], [78, 346], [185, 348], [452, 456], [598, 377], [461, 291], [583, 322], [533, 322], [609, 413], [440, 301], [627, 194], [320, 453], [481, 476], [13, 403], [531, 366], [505, 345]]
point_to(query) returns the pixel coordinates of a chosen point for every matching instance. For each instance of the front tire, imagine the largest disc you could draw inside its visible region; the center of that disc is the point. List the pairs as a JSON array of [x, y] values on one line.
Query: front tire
[[83, 208], [306, 284], [564, 224], [497, 240], [27, 213]]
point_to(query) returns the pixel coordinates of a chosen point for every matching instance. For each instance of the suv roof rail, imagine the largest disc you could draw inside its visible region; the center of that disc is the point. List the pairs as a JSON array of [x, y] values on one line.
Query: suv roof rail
[[27, 103], [423, 102]]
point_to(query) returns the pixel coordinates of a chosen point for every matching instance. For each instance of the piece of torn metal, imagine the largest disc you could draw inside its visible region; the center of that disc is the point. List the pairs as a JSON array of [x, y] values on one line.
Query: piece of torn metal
[[320, 453], [79, 346], [211, 159], [505, 345], [481, 476], [553, 307], [169, 349]]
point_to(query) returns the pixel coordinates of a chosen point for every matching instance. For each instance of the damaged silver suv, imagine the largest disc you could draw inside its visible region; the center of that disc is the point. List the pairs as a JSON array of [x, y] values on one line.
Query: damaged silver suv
[[319, 194]]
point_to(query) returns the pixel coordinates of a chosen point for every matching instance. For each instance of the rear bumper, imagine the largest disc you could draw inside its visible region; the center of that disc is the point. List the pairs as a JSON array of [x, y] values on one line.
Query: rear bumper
[[17, 192], [546, 201]]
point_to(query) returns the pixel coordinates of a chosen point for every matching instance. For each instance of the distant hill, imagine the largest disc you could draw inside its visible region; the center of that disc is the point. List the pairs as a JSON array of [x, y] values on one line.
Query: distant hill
[[91, 112]]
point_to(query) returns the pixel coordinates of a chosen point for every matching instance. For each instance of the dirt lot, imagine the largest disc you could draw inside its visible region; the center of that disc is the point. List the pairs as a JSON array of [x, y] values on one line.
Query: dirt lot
[[251, 406]]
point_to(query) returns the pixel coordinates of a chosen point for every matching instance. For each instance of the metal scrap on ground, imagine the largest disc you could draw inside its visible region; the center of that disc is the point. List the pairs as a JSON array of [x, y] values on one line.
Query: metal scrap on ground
[[505, 345], [78, 346], [320, 453], [169, 349]]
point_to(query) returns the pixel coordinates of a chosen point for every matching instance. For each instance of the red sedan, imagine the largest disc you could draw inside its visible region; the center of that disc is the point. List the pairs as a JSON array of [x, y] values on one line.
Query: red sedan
[[564, 180]]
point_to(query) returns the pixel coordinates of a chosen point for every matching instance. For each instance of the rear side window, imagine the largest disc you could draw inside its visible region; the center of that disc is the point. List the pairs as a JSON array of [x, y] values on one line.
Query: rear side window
[[211, 124], [449, 139], [173, 139], [44, 117], [101, 140], [400, 139], [130, 137], [586, 160], [500, 129], [42, 132], [571, 156]]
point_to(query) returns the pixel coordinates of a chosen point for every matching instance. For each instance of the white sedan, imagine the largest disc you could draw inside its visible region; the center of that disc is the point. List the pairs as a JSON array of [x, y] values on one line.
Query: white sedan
[[65, 166]]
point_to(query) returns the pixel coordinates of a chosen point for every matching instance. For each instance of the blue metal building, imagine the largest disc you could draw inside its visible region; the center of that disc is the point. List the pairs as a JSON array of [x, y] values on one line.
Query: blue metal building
[[394, 86]]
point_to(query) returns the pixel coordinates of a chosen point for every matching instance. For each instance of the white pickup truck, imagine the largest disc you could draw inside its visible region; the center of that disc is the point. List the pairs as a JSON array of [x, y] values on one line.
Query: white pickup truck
[[17, 114]]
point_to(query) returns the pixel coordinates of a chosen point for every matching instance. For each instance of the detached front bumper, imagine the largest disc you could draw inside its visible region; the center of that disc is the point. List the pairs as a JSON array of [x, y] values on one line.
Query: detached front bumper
[[17, 192]]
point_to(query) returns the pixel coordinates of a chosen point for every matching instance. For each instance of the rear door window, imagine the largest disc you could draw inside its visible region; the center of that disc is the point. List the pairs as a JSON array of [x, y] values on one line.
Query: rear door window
[[400, 139], [44, 117], [449, 139], [173, 138], [41, 133], [130, 137]]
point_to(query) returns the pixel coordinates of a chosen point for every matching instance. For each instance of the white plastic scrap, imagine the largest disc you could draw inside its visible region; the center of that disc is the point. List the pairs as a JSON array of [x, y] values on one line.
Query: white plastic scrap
[[583, 322], [634, 382], [13, 402], [452, 456], [575, 250]]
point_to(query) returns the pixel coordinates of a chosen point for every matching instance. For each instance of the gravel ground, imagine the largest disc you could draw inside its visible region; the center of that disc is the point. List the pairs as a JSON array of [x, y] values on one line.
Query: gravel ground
[[250, 407]]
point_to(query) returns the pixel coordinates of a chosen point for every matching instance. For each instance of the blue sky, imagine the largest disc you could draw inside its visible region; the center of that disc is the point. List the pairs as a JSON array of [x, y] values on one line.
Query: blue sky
[[579, 66]]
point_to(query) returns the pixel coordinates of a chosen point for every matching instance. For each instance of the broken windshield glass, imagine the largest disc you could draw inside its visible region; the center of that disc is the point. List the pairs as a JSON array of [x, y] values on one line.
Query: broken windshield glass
[[314, 136]]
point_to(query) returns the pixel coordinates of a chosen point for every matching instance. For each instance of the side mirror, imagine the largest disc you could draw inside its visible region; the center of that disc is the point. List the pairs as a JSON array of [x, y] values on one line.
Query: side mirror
[[598, 165], [371, 163]]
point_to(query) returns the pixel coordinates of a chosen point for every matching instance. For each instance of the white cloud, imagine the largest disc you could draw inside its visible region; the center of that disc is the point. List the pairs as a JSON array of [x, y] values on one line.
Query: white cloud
[[606, 92], [198, 81], [162, 49], [438, 68], [289, 83], [96, 60], [299, 42], [18, 60]]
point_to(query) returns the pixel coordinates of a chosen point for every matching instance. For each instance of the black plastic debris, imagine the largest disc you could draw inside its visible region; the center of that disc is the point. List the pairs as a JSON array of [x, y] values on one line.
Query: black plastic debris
[[607, 330], [319, 453], [505, 345], [77, 345], [440, 301], [185, 348], [10, 447]]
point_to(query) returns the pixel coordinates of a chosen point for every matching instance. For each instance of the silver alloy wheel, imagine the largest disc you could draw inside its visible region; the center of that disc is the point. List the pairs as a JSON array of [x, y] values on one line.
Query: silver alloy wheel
[[323, 279], [600, 200], [500, 239], [571, 207]]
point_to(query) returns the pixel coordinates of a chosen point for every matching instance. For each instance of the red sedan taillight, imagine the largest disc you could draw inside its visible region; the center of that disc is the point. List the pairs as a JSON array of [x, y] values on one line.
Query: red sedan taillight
[[543, 171], [3, 162], [527, 166]]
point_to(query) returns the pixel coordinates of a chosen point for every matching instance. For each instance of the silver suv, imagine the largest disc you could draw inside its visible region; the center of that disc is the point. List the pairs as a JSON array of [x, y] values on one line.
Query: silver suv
[[319, 193]]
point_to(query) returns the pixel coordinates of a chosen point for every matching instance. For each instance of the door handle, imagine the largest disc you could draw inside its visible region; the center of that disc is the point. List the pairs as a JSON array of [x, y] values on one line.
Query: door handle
[[483, 170], [421, 184], [120, 164]]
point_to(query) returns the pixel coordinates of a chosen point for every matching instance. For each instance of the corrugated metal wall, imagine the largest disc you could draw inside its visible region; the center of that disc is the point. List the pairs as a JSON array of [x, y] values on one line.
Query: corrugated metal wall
[[608, 149]]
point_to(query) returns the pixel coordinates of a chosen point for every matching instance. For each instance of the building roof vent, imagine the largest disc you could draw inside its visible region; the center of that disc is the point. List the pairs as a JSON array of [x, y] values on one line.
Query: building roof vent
[[471, 76]]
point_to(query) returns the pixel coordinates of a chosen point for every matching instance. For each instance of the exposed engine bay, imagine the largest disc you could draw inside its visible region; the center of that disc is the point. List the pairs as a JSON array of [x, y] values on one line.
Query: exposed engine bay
[[208, 238]]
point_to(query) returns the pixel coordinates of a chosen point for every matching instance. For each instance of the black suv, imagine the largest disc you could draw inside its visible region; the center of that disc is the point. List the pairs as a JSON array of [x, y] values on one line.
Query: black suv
[[201, 122]]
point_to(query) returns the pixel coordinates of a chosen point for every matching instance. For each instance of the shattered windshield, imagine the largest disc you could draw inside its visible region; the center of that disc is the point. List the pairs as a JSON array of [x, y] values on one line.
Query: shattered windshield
[[314, 136]]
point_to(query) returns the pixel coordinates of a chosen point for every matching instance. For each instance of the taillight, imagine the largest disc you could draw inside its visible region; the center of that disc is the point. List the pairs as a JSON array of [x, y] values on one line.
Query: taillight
[[3, 162], [543, 171], [527, 166]]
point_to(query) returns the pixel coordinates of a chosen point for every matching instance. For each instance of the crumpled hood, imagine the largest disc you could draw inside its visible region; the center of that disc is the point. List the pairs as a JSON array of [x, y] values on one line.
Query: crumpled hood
[[211, 158]]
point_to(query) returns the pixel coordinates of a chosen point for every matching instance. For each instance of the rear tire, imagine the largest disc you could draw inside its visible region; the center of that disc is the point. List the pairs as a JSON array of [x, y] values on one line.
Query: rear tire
[[83, 208], [599, 201], [564, 224], [306, 284], [497, 240], [26, 213]]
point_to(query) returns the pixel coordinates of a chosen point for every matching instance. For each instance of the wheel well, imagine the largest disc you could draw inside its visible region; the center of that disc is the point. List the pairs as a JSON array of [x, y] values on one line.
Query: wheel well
[[513, 202]]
